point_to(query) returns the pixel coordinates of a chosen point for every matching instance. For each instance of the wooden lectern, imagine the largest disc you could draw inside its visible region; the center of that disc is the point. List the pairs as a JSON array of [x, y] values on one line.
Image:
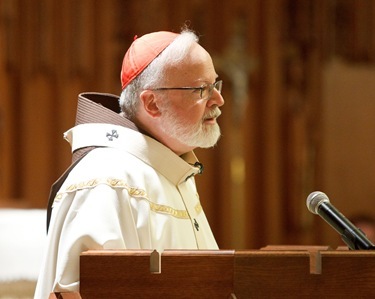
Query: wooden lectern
[[273, 272]]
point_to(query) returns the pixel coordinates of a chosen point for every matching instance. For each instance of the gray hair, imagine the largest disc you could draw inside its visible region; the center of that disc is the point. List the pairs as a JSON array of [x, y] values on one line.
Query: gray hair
[[154, 73]]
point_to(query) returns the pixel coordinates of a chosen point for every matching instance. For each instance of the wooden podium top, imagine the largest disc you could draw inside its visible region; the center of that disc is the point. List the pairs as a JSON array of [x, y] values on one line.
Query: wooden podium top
[[273, 272]]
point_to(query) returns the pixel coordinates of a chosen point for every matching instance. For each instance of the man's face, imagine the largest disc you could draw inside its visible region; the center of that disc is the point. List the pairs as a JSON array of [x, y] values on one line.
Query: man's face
[[186, 117]]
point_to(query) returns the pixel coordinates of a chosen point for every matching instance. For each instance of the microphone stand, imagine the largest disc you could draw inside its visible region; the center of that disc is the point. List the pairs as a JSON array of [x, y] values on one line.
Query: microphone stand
[[357, 241]]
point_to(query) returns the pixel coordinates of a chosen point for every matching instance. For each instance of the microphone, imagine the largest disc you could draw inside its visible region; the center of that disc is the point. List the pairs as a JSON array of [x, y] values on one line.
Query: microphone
[[318, 203]]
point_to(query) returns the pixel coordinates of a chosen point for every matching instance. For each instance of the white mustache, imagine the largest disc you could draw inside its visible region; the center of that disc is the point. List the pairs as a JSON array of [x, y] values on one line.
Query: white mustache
[[215, 113]]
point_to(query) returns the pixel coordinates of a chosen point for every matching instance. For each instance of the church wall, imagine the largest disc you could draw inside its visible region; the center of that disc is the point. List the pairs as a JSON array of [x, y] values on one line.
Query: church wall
[[283, 123]]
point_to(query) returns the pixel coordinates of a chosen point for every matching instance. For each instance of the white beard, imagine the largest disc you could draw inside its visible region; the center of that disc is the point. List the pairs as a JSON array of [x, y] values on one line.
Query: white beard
[[198, 135]]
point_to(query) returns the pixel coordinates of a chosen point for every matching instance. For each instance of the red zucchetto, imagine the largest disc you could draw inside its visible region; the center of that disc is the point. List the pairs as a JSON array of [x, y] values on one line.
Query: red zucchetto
[[142, 52]]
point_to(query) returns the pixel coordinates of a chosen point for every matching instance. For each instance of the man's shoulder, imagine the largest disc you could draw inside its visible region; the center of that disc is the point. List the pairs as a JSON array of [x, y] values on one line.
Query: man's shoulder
[[104, 161], [114, 162]]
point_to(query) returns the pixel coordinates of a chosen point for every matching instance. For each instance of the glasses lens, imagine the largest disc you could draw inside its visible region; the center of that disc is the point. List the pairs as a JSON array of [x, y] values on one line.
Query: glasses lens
[[218, 85], [207, 90]]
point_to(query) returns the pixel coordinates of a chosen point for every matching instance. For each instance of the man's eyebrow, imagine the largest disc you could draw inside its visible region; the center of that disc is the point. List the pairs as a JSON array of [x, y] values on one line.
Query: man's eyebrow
[[206, 80]]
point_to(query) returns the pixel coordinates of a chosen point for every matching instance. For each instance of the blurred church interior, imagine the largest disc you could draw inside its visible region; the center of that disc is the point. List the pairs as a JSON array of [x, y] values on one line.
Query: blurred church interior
[[299, 85]]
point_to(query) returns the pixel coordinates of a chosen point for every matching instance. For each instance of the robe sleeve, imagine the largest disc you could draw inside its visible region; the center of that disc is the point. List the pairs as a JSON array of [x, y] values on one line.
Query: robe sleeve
[[97, 218]]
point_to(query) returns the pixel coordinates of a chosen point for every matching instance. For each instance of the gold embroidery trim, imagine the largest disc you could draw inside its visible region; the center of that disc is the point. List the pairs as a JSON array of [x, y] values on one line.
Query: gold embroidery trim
[[133, 191], [198, 208]]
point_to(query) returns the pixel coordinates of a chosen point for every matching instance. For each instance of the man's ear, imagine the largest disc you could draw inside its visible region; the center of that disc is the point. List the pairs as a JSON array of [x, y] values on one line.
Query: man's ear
[[149, 103]]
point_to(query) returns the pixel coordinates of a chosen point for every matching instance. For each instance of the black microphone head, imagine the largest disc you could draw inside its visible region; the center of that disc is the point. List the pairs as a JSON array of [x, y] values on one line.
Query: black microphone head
[[314, 200]]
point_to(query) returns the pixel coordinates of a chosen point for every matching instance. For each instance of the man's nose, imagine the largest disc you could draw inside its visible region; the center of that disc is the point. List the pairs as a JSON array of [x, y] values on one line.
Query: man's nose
[[216, 99]]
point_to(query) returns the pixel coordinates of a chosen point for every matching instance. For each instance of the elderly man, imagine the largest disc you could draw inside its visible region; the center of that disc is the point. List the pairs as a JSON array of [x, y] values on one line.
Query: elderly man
[[131, 184]]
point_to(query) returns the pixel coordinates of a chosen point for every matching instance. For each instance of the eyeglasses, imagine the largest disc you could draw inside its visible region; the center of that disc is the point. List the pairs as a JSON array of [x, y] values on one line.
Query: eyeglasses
[[206, 90]]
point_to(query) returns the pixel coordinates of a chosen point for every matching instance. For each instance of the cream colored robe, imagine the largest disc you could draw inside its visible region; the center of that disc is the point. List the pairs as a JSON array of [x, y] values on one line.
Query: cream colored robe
[[131, 192]]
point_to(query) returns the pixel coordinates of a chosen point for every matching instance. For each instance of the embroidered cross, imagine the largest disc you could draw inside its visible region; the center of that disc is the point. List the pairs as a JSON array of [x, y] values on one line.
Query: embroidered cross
[[196, 224], [112, 135]]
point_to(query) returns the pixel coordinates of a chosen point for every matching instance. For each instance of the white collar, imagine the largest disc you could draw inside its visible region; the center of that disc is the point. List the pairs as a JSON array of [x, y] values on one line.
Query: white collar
[[176, 169]]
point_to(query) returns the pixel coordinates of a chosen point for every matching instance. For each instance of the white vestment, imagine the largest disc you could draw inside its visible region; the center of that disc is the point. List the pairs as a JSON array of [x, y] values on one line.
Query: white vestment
[[130, 192]]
